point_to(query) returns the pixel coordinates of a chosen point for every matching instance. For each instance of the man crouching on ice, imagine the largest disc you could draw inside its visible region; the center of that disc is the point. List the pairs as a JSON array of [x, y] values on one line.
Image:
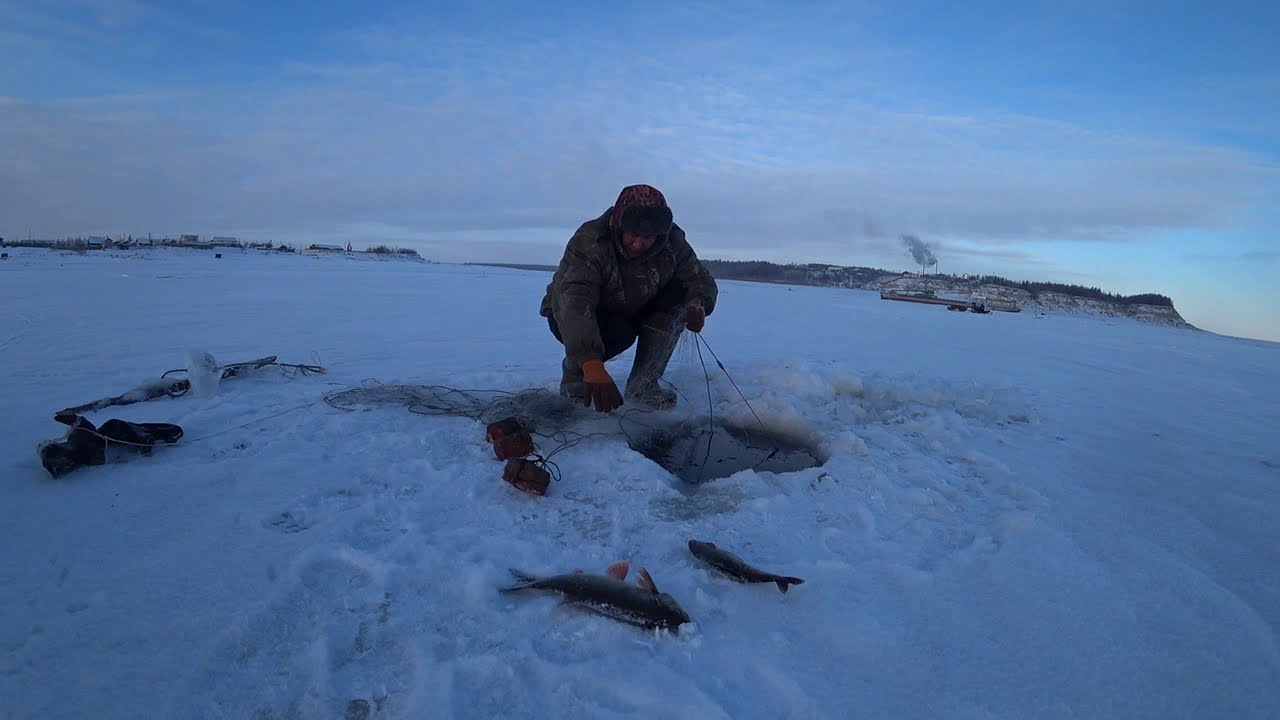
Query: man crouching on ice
[[627, 275]]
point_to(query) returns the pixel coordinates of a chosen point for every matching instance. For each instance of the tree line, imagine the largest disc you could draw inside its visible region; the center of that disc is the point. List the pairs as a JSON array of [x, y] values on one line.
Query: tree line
[[854, 276], [1035, 288]]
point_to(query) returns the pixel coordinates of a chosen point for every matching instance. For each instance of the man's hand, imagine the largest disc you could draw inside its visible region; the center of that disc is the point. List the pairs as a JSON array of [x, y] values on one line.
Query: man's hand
[[695, 317], [601, 390]]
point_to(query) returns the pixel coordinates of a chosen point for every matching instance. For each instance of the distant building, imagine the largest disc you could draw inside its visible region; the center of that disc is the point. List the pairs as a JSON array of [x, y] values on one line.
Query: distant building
[[188, 239], [321, 247], [97, 241], [220, 241]]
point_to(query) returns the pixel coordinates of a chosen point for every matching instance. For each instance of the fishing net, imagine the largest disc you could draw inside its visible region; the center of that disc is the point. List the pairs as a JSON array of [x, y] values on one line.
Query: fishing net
[[536, 408], [555, 422], [691, 446]]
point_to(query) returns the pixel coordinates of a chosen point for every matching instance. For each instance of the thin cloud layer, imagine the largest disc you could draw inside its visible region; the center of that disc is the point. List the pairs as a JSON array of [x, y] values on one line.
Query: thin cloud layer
[[311, 158], [432, 131]]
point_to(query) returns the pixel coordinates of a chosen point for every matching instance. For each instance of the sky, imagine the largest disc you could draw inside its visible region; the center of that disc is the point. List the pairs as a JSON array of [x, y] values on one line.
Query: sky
[[1131, 146]]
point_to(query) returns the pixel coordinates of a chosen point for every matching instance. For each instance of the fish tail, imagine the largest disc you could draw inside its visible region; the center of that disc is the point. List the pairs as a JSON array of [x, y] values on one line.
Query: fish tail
[[784, 583], [525, 581]]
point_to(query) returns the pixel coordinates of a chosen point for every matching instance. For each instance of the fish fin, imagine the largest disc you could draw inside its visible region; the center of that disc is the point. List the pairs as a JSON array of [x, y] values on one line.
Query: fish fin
[[785, 582], [618, 570], [646, 582]]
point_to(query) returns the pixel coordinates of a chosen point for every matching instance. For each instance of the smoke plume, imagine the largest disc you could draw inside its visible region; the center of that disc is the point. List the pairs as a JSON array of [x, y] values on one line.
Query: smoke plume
[[919, 250]]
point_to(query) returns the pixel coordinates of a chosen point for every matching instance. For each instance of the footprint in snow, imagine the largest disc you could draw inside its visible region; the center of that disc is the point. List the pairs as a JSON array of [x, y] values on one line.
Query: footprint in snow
[[378, 524], [313, 509], [328, 645], [289, 521]]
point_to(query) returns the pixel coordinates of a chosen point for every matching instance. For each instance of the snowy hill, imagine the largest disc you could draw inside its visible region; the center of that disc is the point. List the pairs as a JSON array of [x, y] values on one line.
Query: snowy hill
[[946, 286], [1048, 517], [1054, 302]]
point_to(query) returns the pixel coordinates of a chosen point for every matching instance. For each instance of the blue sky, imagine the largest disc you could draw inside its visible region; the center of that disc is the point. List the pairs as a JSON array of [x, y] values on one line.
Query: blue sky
[[1132, 146]]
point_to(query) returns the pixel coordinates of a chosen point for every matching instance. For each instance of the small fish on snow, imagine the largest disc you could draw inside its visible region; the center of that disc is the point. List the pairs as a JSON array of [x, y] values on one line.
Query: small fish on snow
[[737, 568], [610, 595]]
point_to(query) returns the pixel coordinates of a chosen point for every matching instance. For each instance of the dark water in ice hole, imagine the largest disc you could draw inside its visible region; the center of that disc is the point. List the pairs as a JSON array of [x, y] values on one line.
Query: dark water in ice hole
[[695, 452], [692, 450]]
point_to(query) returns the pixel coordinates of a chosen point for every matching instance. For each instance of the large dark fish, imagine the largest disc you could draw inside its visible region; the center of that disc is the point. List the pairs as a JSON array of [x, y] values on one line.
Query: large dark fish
[[610, 595], [737, 568]]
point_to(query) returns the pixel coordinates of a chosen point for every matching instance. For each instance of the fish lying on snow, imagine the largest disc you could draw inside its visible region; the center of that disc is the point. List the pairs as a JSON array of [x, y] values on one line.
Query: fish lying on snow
[[610, 595], [737, 568]]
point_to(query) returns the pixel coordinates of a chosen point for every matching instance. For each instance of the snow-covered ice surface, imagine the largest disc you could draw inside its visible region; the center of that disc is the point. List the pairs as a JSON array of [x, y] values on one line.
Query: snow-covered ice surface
[[1017, 517]]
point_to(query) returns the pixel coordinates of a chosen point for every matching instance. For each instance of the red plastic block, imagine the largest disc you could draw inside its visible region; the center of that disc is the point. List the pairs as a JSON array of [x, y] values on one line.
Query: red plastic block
[[510, 439], [527, 476]]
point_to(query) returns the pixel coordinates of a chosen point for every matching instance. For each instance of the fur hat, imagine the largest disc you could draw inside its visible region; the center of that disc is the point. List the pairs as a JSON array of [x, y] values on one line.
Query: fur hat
[[641, 209]]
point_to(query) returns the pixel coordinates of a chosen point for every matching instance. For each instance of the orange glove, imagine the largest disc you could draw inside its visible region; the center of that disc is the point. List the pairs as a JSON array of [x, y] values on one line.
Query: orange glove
[[601, 389], [695, 317]]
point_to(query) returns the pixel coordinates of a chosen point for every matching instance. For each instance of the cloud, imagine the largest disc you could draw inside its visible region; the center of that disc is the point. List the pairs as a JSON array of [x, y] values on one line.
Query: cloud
[[81, 20], [448, 135], [1001, 253], [1250, 256], [89, 30]]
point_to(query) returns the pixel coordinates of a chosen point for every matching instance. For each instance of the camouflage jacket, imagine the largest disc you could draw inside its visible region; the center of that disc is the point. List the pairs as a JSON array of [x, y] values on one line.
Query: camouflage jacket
[[595, 277]]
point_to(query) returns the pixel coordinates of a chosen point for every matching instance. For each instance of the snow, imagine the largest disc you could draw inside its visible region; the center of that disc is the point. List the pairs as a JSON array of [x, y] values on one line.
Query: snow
[[1017, 516]]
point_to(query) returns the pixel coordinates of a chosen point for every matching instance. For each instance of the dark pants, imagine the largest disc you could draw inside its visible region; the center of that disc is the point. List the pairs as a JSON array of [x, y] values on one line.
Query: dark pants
[[619, 332]]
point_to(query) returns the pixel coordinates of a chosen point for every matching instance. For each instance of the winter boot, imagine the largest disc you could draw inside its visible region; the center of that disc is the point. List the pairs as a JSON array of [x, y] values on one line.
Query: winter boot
[[571, 384], [140, 437], [652, 396], [86, 445], [654, 347], [83, 446]]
